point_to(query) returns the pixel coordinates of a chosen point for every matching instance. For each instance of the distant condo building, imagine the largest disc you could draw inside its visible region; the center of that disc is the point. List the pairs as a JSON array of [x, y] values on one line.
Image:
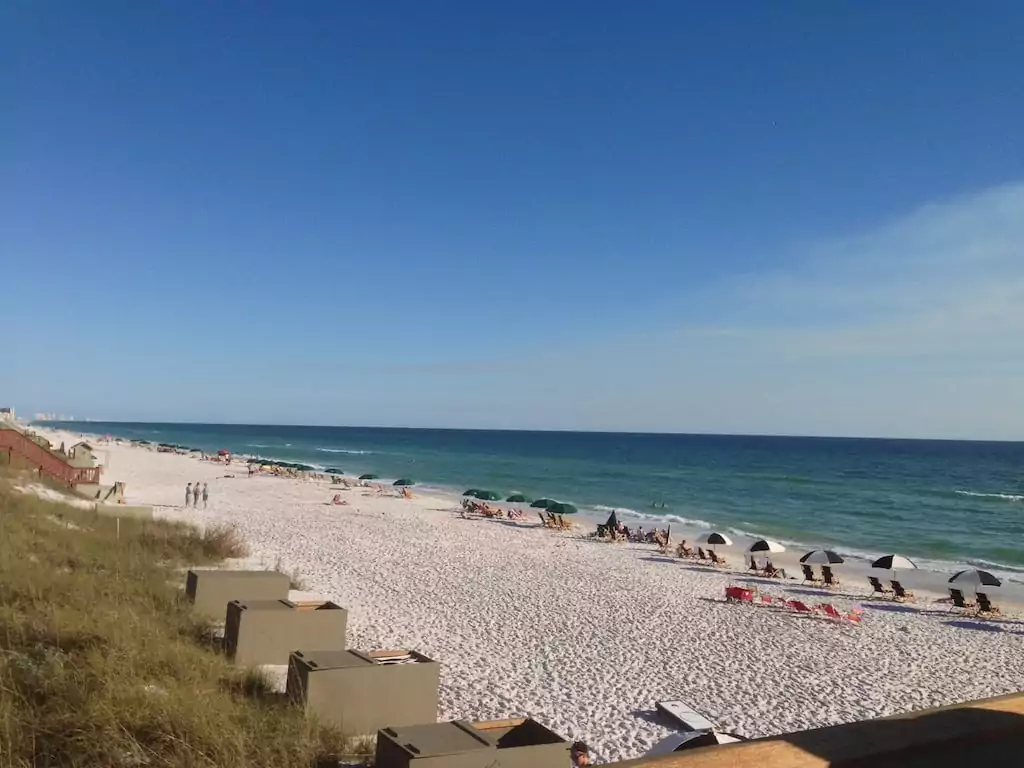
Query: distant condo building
[[7, 414]]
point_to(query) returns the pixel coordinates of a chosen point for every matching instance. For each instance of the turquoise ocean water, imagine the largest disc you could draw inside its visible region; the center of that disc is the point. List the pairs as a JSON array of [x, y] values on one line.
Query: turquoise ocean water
[[938, 501]]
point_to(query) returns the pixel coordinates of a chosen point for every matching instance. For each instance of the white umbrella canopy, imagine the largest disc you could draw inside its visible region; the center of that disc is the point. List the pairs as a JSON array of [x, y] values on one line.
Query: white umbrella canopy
[[766, 545], [822, 557], [715, 539], [975, 578], [894, 563]]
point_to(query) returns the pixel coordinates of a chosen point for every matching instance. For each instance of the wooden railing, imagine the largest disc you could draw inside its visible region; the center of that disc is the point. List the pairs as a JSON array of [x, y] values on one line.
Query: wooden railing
[[989, 733], [14, 442]]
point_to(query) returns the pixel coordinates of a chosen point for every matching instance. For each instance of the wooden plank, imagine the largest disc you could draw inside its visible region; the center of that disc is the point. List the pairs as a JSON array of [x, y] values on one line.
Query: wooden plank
[[985, 732]]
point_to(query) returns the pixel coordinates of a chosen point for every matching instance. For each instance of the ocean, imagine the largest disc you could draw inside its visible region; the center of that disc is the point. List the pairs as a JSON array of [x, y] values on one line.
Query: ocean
[[940, 502]]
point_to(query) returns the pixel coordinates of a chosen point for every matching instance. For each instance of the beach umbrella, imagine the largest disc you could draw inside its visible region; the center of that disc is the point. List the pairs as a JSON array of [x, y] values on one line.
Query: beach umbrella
[[562, 508], [894, 562], [403, 481], [543, 503], [518, 498], [715, 539], [766, 545], [613, 521], [471, 492], [975, 578], [488, 495], [368, 477], [821, 557]]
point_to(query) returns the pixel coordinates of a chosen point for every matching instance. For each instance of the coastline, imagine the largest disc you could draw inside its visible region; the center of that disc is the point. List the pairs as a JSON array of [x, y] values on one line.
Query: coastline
[[860, 557], [582, 635]]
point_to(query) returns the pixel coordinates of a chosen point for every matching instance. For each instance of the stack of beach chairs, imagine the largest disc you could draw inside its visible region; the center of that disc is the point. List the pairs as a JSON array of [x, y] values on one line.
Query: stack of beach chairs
[[392, 693]]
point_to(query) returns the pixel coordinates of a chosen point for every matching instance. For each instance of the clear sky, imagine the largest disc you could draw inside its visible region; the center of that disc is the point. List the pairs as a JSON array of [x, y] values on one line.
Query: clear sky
[[802, 217]]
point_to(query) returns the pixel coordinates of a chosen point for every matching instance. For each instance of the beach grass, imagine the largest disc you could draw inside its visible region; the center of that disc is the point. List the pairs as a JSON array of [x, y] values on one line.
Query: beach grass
[[99, 663]]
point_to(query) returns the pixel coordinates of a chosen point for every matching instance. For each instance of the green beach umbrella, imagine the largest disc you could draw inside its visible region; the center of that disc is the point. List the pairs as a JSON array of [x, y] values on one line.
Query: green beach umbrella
[[471, 492], [518, 497], [562, 508], [368, 477], [488, 496], [403, 481], [543, 503]]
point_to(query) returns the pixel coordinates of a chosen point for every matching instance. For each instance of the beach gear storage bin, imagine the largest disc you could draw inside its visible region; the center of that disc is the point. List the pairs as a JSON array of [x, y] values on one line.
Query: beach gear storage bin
[[267, 631], [210, 589], [362, 692], [437, 745], [520, 743]]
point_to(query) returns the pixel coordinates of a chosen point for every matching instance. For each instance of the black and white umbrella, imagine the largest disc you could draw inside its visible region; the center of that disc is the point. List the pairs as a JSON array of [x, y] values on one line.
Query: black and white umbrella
[[766, 545], [975, 578], [715, 539], [821, 557], [894, 563]]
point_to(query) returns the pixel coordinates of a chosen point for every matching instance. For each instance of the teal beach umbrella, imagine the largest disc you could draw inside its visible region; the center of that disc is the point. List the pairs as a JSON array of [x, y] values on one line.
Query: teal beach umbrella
[[562, 508], [368, 477], [471, 492], [403, 481], [543, 503], [518, 497], [488, 496]]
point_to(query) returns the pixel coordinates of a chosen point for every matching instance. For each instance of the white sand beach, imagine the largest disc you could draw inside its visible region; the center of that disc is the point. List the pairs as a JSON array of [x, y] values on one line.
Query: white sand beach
[[582, 635]]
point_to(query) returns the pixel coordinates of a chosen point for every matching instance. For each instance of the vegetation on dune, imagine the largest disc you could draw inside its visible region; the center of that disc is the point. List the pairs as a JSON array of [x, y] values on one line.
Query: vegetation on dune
[[99, 659]]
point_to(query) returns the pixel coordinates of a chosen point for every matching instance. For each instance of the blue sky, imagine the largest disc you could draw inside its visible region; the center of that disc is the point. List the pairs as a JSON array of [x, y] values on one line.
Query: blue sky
[[802, 218]]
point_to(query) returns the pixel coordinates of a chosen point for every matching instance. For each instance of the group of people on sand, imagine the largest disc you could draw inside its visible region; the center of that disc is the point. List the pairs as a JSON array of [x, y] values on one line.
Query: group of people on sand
[[194, 493], [471, 506], [636, 535]]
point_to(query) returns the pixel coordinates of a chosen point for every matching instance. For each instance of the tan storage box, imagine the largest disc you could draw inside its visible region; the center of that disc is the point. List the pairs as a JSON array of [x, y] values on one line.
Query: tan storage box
[[436, 745], [361, 692], [519, 743], [267, 631], [525, 743], [210, 589]]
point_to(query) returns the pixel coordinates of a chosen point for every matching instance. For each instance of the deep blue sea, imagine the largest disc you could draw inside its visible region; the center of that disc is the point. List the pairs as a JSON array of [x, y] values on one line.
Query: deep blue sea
[[944, 501]]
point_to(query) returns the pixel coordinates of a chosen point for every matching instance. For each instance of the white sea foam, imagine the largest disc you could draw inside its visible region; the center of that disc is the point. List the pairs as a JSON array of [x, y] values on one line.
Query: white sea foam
[[344, 450], [1002, 496]]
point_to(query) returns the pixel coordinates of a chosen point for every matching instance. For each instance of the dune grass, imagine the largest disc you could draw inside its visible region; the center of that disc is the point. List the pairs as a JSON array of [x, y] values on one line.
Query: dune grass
[[99, 659]]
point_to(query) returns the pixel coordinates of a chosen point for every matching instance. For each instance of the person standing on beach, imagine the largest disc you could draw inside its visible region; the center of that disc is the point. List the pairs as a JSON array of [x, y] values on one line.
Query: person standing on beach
[[195, 496], [206, 494], [188, 495]]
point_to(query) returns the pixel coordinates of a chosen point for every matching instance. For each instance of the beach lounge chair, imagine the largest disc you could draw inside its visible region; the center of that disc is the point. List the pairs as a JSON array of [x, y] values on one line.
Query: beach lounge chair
[[901, 593], [798, 606], [957, 600], [739, 595], [702, 555], [831, 611], [985, 605], [878, 588], [829, 578], [809, 574], [719, 561]]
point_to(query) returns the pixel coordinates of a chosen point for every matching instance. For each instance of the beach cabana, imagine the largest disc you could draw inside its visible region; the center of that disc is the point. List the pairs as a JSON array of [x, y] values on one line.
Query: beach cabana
[[517, 498], [488, 495], [369, 476], [403, 481], [822, 557]]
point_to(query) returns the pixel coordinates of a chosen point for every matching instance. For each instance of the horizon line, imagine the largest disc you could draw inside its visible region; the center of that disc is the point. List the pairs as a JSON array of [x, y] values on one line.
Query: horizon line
[[543, 431]]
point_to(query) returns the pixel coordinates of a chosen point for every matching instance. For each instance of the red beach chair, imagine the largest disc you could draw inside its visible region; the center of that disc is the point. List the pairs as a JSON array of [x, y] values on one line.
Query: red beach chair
[[831, 611], [798, 606]]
